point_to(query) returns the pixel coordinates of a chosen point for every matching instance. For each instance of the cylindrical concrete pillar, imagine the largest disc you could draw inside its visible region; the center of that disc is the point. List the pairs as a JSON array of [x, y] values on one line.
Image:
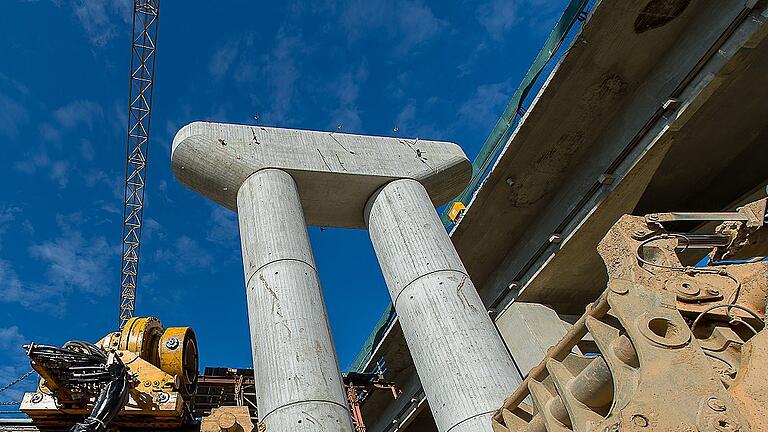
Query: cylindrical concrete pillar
[[458, 354], [298, 383]]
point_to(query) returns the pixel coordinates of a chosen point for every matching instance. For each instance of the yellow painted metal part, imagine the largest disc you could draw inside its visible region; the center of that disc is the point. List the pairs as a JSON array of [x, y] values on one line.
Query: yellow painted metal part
[[141, 335], [164, 366], [456, 210], [177, 350]]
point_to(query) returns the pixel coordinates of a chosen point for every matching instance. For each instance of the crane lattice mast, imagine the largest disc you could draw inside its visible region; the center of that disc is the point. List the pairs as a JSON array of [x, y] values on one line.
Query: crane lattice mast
[[145, 14]]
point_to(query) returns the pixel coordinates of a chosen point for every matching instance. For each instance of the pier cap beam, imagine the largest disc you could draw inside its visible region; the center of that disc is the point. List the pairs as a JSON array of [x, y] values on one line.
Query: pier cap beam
[[336, 173]]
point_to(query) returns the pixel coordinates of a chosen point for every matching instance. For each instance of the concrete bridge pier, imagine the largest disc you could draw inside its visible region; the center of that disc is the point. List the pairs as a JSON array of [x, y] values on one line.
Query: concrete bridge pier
[[458, 354], [298, 384], [387, 184]]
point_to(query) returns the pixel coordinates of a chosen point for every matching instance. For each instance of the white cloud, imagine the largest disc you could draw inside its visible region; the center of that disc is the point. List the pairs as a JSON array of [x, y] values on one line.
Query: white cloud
[[7, 215], [79, 112], [102, 20], [405, 118], [12, 115], [416, 24], [86, 149], [282, 73], [76, 263], [10, 338], [485, 105], [15, 364], [498, 17], [223, 227], [57, 169], [223, 58], [347, 90], [71, 264], [408, 22], [185, 254], [11, 288]]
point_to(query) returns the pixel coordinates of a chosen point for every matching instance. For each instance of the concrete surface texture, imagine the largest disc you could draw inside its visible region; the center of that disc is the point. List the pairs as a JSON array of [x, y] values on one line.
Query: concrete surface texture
[[529, 329], [336, 173], [460, 358], [298, 384]]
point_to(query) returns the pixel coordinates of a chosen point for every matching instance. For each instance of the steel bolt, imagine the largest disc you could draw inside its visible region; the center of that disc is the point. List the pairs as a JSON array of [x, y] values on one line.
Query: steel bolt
[[716, 404], [163, 397], [639, 420], [37, 397], [172, 343]]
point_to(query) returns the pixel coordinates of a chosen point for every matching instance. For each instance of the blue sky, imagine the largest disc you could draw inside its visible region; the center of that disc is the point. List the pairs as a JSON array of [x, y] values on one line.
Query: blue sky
[[441, 70]]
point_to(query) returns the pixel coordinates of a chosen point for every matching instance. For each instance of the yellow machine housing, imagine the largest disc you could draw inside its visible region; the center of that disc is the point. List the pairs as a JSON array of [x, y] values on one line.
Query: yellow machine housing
[[164, 368]]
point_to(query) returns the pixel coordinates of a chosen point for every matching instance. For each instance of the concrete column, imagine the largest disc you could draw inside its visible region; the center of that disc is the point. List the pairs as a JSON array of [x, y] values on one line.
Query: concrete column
[[458, 354], [298, 382]]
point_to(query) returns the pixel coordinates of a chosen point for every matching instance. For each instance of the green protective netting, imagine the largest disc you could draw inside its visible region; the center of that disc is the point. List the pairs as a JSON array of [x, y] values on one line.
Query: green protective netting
[[358, 365], [488, 153], [504, 126]]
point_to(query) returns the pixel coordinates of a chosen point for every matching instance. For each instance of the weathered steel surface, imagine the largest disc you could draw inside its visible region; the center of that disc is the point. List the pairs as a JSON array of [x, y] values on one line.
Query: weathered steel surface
[[678, 347]]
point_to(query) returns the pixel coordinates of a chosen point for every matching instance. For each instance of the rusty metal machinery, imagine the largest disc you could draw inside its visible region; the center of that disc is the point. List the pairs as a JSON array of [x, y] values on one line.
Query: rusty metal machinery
[[680, 347], [359, 387], [159, 367]]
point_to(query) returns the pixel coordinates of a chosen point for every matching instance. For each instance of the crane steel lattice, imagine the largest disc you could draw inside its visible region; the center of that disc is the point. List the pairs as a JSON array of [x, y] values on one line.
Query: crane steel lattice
[[145, 14]]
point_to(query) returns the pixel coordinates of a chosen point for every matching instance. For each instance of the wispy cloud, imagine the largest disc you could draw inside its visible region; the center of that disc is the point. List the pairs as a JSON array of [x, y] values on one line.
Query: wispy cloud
[[412, 120], [223, 229], [72, 116], [408, 22], [101, 20], [282, 72], [347, 91], [75, 261], [15, 363], [8, 214], [483, 108], [223, 58], [12, 116], [185, 254], [78, 113], [72, 263], [498, 17], [416, 24], [57, 169]]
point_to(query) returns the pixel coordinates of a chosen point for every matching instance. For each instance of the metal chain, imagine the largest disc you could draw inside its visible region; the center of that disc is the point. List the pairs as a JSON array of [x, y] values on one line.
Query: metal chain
[[16, 381]]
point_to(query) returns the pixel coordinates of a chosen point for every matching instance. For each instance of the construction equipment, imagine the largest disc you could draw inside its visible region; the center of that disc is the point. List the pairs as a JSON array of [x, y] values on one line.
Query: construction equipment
[[142, 376], [145, 15], [225, 390], [359, 387], [679, 347]]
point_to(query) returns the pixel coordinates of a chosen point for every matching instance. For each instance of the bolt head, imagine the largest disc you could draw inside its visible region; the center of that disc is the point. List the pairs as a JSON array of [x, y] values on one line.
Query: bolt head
[[639, 420], [172, 343], [716, 404]]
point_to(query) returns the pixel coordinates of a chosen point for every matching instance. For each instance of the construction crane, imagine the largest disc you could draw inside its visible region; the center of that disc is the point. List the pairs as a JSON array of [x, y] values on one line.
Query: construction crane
[[145, 15]]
